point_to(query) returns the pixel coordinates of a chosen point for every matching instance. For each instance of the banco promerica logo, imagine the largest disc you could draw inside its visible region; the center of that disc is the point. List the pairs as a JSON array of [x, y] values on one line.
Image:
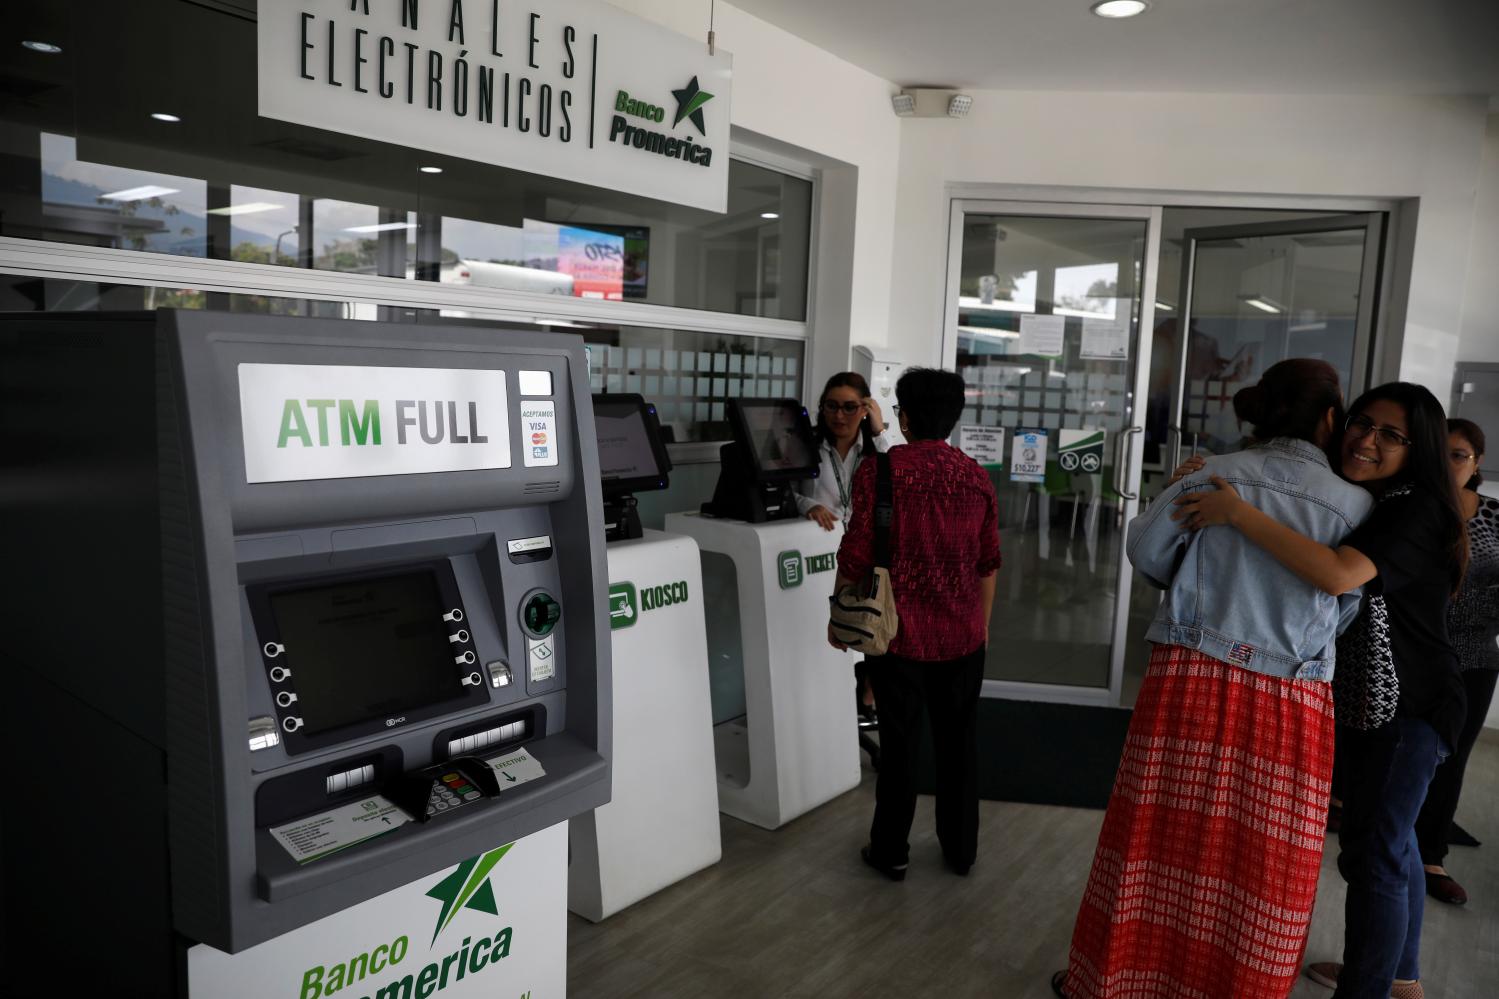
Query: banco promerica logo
[[467, 887], [690, 101]]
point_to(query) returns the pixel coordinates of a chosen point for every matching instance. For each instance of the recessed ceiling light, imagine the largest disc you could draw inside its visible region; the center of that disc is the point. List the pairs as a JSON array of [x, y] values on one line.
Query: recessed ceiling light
[[1119, 8], [140, 193], [431, 169], [249, 208], [163, 116], [382, 227], [770, 215], [46, 47]]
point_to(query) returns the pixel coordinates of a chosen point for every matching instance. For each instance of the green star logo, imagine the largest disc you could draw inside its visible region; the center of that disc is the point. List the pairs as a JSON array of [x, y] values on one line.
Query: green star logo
[[467, 887], [690, 101]]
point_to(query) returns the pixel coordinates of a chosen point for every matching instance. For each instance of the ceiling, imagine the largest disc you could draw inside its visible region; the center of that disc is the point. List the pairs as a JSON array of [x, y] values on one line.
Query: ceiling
[[1383, 47]]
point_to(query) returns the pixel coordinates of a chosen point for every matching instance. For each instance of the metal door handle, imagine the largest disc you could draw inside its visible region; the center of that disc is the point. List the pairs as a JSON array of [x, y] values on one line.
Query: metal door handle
[[1176, 444], [1121, 462]]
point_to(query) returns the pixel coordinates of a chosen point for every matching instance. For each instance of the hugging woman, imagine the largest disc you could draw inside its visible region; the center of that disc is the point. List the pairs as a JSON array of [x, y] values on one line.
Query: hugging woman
[[1400, 697]]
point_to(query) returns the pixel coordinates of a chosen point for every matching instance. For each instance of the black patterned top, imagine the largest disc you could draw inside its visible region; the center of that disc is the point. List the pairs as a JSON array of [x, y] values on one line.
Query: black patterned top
[[1473, 618]]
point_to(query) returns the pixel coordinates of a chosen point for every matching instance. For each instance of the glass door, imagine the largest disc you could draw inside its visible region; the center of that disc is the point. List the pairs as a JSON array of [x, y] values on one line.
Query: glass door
[[1252, 295], [1045, 304]]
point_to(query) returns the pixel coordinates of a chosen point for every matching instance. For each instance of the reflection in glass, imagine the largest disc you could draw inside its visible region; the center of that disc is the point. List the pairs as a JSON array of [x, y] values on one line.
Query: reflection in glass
[[102, 205], [1062, 535]]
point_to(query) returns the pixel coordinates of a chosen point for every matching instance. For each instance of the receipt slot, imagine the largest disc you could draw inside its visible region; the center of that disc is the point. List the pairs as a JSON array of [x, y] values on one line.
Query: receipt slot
[[665, 788], [312, 619]]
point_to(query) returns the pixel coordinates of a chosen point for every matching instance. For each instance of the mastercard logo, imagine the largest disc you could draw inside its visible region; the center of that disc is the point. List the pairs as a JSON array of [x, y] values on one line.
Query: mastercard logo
[[538, 438]]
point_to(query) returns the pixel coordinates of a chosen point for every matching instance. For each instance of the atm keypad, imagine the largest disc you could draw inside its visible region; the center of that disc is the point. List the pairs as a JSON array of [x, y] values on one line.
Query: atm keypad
[[451, 790]]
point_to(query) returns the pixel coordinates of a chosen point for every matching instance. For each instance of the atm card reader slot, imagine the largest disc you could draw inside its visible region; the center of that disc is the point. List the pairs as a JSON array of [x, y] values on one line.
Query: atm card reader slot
[[438, 790]]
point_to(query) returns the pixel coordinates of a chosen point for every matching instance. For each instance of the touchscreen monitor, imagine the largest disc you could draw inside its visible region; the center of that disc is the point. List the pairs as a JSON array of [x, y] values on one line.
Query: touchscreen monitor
[[778, 436], [632, 457], [366, 648]]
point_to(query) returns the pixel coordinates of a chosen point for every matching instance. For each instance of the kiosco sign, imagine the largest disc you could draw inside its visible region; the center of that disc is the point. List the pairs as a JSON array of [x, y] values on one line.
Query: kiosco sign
[[566, 88], [318, 421]]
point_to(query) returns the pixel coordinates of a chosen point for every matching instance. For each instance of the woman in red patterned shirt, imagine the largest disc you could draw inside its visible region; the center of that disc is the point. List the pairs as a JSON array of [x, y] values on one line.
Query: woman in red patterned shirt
[[944, 550]]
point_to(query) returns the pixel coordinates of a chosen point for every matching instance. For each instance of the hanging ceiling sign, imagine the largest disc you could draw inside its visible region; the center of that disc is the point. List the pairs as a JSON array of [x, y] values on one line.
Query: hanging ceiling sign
[[575, 89]]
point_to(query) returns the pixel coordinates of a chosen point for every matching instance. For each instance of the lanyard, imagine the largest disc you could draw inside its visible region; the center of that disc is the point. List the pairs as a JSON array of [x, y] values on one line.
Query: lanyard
[[845, 502]]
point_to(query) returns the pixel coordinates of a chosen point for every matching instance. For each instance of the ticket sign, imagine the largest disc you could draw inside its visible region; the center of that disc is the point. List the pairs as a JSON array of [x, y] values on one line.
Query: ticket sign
[[1028, 456], [575, 89], [321, 421]]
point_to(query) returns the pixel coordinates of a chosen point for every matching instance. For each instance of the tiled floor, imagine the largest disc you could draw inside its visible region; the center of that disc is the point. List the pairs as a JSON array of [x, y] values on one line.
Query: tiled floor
[[794, 913]]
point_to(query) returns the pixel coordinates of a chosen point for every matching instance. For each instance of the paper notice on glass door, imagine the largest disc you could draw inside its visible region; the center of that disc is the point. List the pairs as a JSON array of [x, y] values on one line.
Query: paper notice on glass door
[[985, 445], [1028, 456], [1105, 339], [1042, 335]]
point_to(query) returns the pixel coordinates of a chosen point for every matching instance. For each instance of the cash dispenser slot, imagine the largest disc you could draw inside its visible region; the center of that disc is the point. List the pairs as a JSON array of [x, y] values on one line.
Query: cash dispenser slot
[[491, 736]]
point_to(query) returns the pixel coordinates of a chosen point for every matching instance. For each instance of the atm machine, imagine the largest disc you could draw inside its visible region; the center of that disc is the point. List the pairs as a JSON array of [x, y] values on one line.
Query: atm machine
[[785, 733], [307, 655], [665, 786]]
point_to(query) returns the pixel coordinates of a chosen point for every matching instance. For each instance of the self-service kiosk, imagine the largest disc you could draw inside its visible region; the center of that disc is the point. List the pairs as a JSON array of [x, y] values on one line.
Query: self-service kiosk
[[772, 450], [307, 649], [785, 734], [661, 823]]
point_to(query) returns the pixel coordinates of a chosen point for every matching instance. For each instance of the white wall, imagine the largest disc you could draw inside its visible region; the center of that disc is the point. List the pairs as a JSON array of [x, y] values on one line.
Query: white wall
[[1426, 148], [796, 95], [1480, 334]]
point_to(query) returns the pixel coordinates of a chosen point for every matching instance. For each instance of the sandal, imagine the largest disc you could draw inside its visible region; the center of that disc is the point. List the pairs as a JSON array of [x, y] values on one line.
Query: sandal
[[1057, 981]]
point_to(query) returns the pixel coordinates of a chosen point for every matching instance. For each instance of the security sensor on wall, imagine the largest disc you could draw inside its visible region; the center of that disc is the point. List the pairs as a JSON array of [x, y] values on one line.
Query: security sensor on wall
[[924, 102]]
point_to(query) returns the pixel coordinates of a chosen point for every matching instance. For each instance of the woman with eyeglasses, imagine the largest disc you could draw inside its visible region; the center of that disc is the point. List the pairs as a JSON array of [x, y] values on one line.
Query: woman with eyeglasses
[[1398, 690], [1473, 626], [849, 429]]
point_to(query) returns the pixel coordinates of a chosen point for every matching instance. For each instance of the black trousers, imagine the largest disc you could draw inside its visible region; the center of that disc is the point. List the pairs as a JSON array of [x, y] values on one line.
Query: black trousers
[[949, 692], [1447, 786]]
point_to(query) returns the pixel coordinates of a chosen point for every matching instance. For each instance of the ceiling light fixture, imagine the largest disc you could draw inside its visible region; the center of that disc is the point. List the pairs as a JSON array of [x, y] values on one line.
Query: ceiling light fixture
[[140, 193], [249, 208], [1119, 8], [565, 324], [1263, 303], [163, 116], [770, 215], [431, 169], [46, 47], [382, 227], [904, 105], [959, 106]]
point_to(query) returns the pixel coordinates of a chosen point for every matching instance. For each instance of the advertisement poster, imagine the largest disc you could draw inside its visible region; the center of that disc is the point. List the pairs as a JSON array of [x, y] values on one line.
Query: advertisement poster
[[1028, 456], [1042, 335], [1080, 451], [985, 445], [594, 260]]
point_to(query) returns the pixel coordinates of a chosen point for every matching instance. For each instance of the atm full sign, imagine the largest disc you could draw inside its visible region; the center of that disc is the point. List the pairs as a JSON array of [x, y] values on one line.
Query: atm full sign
[[318, 421]]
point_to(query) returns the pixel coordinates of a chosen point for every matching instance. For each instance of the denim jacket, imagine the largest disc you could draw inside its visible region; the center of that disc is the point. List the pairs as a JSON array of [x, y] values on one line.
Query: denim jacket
[[1230, 599]]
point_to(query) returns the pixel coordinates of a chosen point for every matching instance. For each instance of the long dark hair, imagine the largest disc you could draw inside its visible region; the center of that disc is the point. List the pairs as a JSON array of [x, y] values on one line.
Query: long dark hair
[[1426, 464], [1291, 400], [1473, 434], [855, 381]]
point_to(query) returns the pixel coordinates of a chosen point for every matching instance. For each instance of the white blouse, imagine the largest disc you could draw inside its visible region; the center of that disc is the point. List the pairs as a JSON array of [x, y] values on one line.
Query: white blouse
[[834, 485]]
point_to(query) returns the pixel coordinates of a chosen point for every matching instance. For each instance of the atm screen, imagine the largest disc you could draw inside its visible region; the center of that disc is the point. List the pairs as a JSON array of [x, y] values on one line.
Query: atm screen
[[625, 450], [775, 435], [365, 648]]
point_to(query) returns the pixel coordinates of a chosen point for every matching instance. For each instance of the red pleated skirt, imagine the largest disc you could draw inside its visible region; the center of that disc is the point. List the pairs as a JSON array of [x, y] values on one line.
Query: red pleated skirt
[[1207, 865]]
